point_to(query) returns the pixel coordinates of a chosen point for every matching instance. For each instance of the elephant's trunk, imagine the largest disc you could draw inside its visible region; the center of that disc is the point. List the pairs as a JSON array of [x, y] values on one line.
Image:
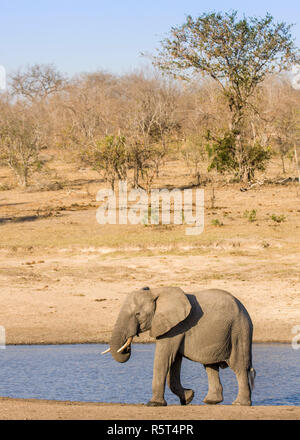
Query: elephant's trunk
[[115, 344], [120, 336]]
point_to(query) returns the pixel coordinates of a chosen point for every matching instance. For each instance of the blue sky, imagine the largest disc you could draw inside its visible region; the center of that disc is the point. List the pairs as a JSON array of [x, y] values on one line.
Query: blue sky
[[88, 35]]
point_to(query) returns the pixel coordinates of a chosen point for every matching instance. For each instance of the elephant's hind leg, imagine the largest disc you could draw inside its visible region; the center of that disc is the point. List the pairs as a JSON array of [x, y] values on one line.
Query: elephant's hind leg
[[215, 389], [240, 362], [244, 394], [185, 395]]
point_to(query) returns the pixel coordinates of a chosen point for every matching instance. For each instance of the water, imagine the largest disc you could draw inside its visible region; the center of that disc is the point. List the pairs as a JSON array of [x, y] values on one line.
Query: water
[[80, 373]]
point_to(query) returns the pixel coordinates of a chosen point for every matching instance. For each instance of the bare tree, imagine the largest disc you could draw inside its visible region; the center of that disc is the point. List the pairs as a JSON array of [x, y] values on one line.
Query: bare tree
[[108, 156], [37, 82], [194, 153], [86, 110], [20, 142], [284, 116], [150, 122]]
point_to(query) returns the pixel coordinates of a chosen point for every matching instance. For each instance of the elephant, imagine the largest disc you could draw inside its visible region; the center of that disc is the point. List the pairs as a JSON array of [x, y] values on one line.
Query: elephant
[[211, 327]]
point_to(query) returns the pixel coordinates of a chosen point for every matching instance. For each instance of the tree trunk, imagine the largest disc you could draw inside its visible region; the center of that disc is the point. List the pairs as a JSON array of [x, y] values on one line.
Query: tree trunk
[[136, 176], [297, 163], [282, 163]]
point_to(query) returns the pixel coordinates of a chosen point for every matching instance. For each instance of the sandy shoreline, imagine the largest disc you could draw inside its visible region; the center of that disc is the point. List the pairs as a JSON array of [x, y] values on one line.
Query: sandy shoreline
[[28, 409]]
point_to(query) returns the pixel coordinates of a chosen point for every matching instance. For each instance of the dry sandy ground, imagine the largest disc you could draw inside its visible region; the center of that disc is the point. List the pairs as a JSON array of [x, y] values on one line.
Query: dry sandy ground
[[16, 409], [71, 298]]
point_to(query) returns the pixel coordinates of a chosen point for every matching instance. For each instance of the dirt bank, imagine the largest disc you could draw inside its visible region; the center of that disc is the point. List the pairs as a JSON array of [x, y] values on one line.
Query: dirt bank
[[75, 297]]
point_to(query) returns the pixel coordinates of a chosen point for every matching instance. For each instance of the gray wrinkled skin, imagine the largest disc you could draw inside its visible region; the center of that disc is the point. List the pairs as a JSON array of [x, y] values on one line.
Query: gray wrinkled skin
[[211, 327]]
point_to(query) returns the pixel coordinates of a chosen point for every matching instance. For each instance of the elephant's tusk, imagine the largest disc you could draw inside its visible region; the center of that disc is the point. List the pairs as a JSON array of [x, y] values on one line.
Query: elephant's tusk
[[128, 342], [106, 351]]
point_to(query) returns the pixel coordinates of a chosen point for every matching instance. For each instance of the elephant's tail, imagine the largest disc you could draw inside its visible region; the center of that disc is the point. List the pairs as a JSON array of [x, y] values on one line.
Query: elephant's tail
[[251, 377]]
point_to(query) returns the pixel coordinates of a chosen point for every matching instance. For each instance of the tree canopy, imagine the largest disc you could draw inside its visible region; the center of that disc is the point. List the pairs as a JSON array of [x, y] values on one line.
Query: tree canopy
[[238, 54]]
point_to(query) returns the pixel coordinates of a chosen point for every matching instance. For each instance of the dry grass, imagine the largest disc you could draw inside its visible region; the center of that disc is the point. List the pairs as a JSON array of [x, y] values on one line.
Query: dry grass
[[63, 276], [47, 222]]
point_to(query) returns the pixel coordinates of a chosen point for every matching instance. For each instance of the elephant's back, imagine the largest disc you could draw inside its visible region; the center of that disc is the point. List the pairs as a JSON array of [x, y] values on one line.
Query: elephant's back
[[218, 300], [214, 314]]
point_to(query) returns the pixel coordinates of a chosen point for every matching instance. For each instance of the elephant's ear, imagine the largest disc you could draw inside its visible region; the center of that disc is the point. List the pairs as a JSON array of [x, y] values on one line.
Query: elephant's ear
[[172, 307]]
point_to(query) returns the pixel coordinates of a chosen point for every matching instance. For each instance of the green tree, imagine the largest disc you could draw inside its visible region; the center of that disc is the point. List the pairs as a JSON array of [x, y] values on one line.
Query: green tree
[[224, 156], [238, 54]]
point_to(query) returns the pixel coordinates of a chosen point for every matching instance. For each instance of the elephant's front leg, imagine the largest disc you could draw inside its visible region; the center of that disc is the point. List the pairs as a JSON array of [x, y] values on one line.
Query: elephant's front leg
[[165, 353], [185, 395]]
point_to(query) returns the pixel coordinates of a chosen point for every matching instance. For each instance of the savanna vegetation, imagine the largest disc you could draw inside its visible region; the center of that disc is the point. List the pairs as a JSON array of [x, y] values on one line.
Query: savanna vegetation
[[225, 105]]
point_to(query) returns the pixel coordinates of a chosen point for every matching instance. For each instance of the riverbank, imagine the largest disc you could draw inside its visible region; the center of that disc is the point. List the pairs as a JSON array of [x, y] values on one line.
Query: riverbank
[[75, 297], [33, 409]]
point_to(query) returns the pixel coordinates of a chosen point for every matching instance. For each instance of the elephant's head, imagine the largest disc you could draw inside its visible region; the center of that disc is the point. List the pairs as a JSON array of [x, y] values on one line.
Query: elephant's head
[[157, 310]]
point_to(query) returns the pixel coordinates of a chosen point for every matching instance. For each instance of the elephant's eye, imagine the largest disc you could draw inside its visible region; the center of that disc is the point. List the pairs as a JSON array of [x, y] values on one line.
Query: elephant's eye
[[137, 314]]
